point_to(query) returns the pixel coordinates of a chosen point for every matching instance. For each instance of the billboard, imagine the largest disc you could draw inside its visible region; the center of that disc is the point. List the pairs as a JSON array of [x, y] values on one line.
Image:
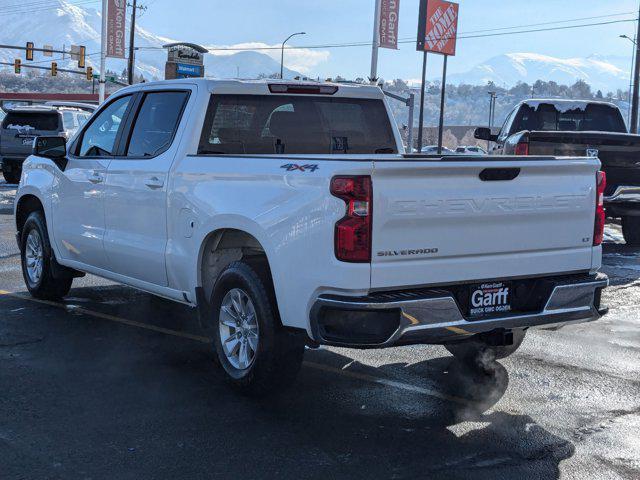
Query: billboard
[[388, 25], [116, 14], [437, 27]]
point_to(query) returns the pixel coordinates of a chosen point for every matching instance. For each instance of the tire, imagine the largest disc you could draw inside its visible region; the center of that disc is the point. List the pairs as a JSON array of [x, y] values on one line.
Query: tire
[[477, 353], [272, 355], [11, 177], [631, 230], [37, 257]]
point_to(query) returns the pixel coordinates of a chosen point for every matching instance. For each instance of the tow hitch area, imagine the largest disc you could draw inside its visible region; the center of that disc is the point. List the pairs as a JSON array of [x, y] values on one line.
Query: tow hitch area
[[497, 338]]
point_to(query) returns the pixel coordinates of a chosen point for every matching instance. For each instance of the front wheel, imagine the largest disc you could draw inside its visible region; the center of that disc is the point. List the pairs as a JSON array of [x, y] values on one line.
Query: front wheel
[[476, 352], [631, 230], [36, 258], [256, 353]]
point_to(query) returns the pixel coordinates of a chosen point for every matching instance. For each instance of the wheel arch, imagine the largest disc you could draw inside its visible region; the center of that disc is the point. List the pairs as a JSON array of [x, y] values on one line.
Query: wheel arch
[[226, 244], [25, 205]]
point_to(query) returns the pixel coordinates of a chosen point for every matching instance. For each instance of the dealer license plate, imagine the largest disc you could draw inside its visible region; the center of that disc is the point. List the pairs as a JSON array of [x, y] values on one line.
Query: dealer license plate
[[489, 299]]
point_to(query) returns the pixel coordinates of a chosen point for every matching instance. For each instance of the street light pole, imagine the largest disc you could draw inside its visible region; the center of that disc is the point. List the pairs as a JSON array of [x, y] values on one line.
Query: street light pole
[[492, 97], [633, 60], [636, 85], [282, 53]]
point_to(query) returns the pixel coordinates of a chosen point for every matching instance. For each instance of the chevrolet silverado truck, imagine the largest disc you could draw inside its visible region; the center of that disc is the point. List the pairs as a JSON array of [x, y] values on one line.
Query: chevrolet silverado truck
[[579, 128], [289, 215]]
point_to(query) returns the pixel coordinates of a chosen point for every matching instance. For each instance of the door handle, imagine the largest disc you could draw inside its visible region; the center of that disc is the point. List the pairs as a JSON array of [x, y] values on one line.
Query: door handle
[[96, 177], [154, 182]]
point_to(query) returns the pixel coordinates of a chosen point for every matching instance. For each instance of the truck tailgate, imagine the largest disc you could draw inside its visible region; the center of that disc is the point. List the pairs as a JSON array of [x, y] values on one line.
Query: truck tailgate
[[438, 222]]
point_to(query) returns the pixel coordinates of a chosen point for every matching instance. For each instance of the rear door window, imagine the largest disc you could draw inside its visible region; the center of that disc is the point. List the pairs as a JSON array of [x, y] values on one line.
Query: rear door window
[[68, 121], [295, 124], [156, 123], [27, 122]]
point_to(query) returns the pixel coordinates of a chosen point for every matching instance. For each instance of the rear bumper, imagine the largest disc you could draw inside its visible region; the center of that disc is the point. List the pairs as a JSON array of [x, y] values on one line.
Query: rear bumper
[[624, 193], [434, 317]]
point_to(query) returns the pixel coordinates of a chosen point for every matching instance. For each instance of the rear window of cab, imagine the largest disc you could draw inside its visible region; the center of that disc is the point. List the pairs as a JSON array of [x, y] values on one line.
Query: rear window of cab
[[296, 124], [26, 121]]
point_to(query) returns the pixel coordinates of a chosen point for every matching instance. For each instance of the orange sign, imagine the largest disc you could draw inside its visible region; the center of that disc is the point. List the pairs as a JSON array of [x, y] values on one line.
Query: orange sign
[[438, 27]]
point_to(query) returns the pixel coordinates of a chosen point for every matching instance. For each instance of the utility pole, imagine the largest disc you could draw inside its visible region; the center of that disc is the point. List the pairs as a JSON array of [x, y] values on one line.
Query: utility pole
[[132, 34], [103, 52], [636, 83], [132, 39]]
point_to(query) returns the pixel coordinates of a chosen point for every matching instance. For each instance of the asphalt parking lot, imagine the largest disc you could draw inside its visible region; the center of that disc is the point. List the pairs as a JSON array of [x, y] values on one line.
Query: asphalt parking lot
[[113, 383]]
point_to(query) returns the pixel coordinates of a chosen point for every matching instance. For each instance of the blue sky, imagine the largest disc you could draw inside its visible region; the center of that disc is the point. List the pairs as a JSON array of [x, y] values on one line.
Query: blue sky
[[233, 22]]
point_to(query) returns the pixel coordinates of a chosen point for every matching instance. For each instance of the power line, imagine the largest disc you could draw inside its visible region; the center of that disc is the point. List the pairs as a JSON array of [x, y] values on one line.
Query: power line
[[368, 44], [539, 24]]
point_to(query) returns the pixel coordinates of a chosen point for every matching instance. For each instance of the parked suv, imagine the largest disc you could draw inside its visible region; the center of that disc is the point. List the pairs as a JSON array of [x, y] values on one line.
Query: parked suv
[[21, 125]]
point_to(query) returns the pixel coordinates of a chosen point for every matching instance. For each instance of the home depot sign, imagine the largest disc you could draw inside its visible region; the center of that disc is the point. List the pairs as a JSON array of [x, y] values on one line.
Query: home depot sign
[[438, 27]]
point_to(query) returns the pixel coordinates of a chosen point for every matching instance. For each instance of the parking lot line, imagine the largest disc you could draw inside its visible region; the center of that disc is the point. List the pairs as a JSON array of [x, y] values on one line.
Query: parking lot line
[[167, 331], [106, 316]]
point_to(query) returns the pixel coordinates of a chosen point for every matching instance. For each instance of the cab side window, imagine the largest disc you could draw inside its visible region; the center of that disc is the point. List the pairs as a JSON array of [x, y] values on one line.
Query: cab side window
[[156, 123], [99, 138]]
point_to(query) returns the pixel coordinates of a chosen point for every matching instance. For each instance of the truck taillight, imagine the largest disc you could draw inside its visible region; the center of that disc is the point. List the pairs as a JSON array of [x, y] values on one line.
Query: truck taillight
[[522, 148], [353, 231], [598, 229]]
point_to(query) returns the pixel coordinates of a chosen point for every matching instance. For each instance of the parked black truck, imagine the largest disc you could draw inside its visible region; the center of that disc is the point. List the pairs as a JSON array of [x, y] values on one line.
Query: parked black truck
[[578, 128]]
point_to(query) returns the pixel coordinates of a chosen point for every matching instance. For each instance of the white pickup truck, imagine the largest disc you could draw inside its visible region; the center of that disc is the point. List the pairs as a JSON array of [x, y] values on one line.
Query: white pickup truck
[[289, 215]]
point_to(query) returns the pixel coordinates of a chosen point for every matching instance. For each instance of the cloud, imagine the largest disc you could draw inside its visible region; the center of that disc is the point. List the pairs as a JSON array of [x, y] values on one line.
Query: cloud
[[302, 60]]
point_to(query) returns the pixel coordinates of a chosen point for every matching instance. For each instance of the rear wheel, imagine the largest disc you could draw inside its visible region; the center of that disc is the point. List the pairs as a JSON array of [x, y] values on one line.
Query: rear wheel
[[256, 353], [478, 353], [37, 258], [631, 230], [11, 177]]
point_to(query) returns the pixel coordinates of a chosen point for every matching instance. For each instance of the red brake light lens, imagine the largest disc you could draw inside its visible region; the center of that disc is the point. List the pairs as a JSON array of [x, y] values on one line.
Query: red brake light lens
[[352, 238], [303, 89], [598, 229], [522, 148]]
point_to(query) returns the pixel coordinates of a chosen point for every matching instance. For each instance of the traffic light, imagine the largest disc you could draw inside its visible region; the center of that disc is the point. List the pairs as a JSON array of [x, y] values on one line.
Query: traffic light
[[16, 65], [54, 69], [81, 54], [29, 51], [89, 73]]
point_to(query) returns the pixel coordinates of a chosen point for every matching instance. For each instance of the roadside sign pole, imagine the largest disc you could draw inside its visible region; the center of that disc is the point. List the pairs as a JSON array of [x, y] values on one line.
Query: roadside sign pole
[[412, 106], [636, 86], [375, 44], [421, 117], [442, 96], [103, 52]]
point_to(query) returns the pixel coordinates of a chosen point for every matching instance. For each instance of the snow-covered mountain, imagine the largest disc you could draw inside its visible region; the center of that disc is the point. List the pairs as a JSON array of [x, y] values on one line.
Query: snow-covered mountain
[[602, 73], [61, 24]]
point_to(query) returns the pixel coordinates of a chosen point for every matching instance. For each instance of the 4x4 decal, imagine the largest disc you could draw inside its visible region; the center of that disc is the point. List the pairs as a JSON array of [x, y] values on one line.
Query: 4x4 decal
[[290, 167]]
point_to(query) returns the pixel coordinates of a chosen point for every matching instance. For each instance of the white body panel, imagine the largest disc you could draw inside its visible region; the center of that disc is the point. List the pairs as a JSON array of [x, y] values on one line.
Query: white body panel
[[541, 222], [292, 215]]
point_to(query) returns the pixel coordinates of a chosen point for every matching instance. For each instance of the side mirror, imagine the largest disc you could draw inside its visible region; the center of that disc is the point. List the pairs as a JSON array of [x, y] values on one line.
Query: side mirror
[[50, 147], [484, 133], [53, 148]]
